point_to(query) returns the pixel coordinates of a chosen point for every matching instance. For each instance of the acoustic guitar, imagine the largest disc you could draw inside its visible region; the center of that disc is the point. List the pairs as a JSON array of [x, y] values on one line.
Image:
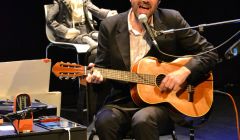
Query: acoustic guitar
[[146, 76]]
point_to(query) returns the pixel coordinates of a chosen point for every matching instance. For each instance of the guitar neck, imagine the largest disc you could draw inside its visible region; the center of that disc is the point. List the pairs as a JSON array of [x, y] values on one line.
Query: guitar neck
[[126, 76]]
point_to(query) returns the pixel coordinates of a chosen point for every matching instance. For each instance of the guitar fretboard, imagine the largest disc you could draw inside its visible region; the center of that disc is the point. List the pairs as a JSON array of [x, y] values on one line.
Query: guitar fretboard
[[127, 76]]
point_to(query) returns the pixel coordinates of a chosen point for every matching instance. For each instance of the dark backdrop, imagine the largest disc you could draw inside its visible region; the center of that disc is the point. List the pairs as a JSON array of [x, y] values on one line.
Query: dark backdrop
[[23, 28]]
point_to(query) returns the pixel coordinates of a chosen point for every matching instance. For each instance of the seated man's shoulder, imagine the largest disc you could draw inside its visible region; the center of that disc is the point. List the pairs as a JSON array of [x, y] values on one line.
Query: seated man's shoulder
[[168, 11], [170, 15]]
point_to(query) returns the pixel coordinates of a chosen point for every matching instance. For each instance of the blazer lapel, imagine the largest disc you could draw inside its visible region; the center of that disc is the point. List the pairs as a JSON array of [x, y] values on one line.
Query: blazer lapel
[[122, 39], [157, 22]]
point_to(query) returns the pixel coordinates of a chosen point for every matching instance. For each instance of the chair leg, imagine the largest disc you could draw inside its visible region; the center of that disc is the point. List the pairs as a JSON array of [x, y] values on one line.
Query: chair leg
[[46, 50], [191, 133], [174, 137], [92, 134]]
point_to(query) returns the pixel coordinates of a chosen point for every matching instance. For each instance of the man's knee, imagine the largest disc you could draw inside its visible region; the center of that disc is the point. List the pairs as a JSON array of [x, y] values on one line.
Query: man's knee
[[149, 114], [105, 119]]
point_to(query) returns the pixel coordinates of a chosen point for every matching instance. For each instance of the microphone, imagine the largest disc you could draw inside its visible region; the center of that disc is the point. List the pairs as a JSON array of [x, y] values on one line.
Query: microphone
[[233, 50], [143, 19]]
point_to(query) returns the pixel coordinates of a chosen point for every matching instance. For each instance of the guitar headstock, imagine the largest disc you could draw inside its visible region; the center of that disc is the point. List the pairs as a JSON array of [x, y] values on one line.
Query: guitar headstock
[[68, 70]]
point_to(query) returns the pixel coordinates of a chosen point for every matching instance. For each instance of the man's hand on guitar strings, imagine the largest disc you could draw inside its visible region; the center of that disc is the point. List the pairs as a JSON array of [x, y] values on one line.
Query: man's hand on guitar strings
[[95, 76], [174, 80]]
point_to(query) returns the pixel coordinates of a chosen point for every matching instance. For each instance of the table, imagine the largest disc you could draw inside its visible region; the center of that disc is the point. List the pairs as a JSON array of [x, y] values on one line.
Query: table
[[77, 132]]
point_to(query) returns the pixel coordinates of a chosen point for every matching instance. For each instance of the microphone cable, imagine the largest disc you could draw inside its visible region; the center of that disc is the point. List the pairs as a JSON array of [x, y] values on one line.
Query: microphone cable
[[7, 118], [69, 132], [235, 109]]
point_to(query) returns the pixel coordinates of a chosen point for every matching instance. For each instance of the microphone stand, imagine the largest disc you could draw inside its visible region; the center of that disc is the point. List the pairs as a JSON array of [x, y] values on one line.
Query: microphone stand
[[200, 26]]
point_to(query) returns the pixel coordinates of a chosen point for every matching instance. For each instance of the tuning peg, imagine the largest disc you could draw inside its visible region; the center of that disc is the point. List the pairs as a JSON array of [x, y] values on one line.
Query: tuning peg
[[67, 77], [60, 77], [73, 78]]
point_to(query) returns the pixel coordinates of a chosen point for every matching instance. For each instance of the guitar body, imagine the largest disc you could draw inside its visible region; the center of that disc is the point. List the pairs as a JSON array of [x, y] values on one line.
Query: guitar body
[[202, 96]]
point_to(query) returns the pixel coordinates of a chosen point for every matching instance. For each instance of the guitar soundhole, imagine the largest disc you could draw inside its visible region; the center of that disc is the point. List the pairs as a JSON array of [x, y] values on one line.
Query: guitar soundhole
[[159, 79]]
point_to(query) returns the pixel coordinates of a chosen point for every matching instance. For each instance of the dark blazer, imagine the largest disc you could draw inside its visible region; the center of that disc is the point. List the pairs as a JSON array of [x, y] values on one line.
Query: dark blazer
[[114, 46]]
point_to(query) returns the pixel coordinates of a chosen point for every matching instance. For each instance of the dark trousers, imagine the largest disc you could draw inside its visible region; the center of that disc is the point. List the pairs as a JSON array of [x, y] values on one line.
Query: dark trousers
[[145, 124]]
